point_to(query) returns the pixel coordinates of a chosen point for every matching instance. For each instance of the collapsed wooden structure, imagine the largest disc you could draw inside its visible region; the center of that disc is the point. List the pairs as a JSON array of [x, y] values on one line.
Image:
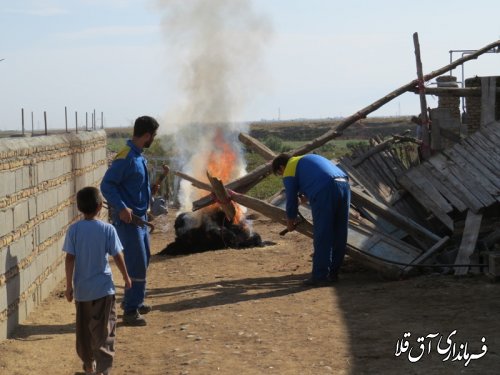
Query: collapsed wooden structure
[[396, 199]]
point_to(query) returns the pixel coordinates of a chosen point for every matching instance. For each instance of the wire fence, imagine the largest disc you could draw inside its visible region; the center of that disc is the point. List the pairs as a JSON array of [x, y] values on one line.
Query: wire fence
[[90, 121]]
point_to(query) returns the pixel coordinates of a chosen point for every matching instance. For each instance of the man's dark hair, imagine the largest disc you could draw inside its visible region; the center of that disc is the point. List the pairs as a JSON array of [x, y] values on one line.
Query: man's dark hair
[[280, 161], [88, 200], [145, 124]]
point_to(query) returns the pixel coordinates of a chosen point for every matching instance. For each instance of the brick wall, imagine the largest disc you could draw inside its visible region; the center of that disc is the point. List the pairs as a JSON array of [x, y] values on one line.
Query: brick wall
[[39, 180], [449, 102]]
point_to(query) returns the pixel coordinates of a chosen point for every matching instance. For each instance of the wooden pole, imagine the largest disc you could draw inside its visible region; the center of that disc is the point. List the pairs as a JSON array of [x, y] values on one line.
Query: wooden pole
[[86, 121], [270, 211], [452, 91], [32, 124], [257, 146], [45, 121], [258, 174], [424, 127], [102, 120], [223, 198], [66, 118], [76, 121], [22, 120], [275, 213], [194, 182]]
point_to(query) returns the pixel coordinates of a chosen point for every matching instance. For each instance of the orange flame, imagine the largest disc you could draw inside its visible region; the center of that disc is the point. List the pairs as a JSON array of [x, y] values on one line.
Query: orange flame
[[222, 163]]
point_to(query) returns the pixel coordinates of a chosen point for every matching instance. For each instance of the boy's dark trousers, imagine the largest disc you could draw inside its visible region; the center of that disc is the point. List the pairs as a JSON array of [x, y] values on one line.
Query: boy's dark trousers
[[95, 332]]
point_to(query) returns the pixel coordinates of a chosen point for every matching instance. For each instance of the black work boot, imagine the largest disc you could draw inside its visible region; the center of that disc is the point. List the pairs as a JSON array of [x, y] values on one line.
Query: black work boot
[[133, 318]]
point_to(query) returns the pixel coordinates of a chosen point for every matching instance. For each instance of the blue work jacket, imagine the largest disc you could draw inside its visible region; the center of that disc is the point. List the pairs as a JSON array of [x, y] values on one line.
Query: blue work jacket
[[126, 182], [307, 175]]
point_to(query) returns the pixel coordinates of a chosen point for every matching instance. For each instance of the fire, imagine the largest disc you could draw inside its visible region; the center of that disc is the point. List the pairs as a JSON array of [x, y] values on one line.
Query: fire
[[222, 163], [222, 159]]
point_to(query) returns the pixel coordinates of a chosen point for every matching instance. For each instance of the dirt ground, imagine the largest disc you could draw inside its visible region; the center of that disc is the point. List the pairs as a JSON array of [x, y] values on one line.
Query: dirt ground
[[245, 312]]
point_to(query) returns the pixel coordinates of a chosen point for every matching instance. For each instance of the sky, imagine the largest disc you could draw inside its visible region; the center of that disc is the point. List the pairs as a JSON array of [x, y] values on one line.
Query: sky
[[313, 59]]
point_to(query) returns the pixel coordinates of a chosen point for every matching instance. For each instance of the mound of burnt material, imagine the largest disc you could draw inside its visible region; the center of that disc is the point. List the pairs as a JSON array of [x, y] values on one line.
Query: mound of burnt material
[[198, 232]]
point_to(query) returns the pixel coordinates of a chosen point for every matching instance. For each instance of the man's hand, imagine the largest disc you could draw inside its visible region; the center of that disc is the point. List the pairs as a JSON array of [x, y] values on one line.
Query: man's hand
[[69, 293], [303, 199], [128, 282], [291, 224], [126, 215]]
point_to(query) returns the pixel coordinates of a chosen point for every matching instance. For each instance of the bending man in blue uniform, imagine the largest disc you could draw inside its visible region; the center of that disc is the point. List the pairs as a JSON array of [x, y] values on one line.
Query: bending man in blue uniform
[[126, 187], [326, 187]]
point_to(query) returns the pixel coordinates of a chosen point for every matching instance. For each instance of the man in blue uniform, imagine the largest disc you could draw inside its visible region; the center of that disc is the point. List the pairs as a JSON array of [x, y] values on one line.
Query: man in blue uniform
[[326, 187], [126, 187]]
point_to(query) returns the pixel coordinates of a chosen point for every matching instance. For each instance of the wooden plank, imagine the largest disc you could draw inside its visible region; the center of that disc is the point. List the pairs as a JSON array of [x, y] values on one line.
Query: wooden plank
[[494, 137], [222, 197], [488, 158], [272, 212], [391, 215], [431, 173], [468, 244], [421, 196], [473, 172], [370, 174], [439, 163], [363, 242], [393, 163], [387, 175], [488, 139], [368, 171], [257, 146], [398, 200], [487, 146], [472, 192], [359, 178], [426, 185], [476, 163], [492, 131], [488, 99], [480, 154], [468, 181], [436, 134], [426, 255]]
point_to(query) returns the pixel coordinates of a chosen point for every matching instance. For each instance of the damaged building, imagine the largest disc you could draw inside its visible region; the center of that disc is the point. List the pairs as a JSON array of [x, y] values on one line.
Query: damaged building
[[418, 202]]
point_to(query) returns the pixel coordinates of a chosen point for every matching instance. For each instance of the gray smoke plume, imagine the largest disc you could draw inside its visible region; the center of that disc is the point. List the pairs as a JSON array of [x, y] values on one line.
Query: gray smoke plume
[[216, 47]]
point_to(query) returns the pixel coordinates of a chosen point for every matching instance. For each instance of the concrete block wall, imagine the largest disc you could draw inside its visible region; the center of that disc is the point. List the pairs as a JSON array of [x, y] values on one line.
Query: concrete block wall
[[39, 178]]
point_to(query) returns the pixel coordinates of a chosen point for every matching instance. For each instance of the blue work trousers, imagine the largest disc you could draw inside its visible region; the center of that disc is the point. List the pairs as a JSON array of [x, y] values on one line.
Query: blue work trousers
[[330, 211], [135, 241]]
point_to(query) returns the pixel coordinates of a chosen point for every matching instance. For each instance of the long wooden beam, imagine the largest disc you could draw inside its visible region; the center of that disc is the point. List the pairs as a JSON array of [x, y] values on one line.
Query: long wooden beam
[[453, 91], [222, 197], [392, 216], [254, 177], [257, 146], [424, 117]]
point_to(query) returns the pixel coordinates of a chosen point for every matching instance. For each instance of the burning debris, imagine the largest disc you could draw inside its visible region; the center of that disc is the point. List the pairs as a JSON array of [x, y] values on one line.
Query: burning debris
[[210, 230]]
